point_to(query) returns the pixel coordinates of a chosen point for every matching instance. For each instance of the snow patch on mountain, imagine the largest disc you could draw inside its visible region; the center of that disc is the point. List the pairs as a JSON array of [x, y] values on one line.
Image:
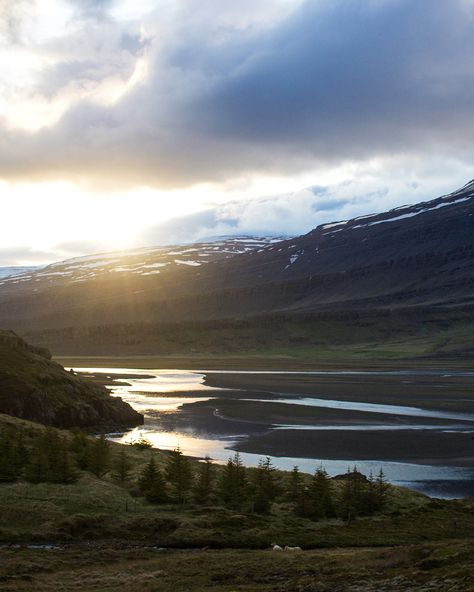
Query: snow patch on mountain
[[145, 262]]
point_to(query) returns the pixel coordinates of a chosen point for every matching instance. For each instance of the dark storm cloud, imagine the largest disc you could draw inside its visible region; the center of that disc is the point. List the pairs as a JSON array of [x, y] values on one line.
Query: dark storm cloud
[[352, 79], [331, 82]]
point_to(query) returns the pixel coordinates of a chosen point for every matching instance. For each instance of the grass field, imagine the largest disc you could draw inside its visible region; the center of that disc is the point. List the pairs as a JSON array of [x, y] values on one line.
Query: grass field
[[103, 537], [355, 338], [274, 359], [423, 568]]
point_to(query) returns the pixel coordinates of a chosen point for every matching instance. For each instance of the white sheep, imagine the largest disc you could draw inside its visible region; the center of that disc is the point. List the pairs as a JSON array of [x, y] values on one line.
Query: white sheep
[[276, 547], [292, 548]]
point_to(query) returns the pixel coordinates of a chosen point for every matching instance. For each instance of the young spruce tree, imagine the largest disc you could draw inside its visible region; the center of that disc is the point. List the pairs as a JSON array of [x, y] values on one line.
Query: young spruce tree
[[97, 458], [203, 485], [233, 485], [266, 487], [321, 502], [49, 460], [294, 485], [179, 476], [121, 467], [13, 454], [152, 484]]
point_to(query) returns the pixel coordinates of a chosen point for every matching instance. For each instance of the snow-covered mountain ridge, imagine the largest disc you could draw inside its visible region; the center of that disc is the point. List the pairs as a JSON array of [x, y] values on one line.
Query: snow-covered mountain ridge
[[149, 261]]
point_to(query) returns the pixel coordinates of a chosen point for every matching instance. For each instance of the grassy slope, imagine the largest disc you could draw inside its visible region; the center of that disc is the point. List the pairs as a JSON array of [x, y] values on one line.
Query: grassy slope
[[97, 509], [105, 536], [409, 335], [34, 387], [284, 359]]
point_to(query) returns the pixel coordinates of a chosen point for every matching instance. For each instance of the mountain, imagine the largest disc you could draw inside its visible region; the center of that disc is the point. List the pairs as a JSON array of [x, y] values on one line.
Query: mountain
[[134, 264], [35, 388], [401, 274]]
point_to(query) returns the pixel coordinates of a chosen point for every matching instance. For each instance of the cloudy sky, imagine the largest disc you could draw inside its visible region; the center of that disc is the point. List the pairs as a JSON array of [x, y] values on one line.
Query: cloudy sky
[[133, 122]]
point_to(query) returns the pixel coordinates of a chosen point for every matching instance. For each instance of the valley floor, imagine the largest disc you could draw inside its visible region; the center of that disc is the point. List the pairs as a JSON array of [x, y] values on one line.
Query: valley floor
[[98, 568], [273, 360]]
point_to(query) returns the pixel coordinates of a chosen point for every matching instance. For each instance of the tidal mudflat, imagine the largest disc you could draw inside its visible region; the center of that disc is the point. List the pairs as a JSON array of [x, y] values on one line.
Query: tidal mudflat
[[417, 425]]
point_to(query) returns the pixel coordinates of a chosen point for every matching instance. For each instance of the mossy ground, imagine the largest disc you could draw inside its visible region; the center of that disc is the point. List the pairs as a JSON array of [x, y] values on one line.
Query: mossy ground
[[107, 539], [422, 568]]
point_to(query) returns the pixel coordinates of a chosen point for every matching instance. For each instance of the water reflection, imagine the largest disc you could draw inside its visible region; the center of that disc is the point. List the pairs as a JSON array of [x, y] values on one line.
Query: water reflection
[[157, 393], [142, 388], [369, 407]]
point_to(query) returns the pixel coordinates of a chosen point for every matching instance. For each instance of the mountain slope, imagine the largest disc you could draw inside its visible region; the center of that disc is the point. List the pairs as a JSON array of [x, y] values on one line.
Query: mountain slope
[[415, 262], [35, 388], [134, 264], [422, 254]]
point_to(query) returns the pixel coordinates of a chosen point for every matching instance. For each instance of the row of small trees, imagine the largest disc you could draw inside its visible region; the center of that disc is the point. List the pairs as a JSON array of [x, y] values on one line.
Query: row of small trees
[[47, 457], [257, 489], [50, 457]]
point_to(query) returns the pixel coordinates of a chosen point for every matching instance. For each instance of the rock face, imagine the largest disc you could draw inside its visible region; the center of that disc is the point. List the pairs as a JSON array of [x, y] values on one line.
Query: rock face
[[35, 388]]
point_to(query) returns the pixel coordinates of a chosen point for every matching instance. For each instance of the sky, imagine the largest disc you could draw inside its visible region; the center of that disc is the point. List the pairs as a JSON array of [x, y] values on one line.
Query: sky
[[126, 123]]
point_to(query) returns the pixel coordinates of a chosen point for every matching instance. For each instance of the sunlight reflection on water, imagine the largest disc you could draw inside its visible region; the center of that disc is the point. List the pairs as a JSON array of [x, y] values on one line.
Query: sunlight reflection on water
[[164, 390]]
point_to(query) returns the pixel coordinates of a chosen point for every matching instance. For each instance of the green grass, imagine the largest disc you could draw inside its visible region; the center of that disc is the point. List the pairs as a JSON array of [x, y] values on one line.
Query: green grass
[[99, 509], [346, 336], [425, 568], [107, 540]]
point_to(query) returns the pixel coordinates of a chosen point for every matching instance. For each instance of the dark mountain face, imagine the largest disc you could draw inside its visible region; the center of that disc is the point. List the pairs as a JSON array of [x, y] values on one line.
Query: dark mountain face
[[422, 254], [414, 257]]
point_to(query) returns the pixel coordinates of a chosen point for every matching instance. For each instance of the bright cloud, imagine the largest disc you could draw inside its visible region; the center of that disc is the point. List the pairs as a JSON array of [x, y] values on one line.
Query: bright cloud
[[194, 110]]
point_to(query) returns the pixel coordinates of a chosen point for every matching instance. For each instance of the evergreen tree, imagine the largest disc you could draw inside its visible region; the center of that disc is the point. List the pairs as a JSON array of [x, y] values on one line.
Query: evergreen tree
[[204, 481], [65, 472], [97, 459], [266, 487], [352, 498], [152, 484], [49, 460], [13, 454], [370, 496], [294, 485], [381, 490], [142, 443], [51, 445], [81, 446], [321, 502], [179, 476], [347, 502], [233, 483], [302, 504], [121, 467]]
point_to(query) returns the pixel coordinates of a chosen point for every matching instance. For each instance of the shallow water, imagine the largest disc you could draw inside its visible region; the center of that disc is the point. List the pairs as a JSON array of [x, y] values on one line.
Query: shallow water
[[157, 392], [369, 407]]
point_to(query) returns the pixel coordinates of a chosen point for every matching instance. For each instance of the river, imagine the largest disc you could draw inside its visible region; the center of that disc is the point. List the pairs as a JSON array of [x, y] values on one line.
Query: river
[[204, 413]]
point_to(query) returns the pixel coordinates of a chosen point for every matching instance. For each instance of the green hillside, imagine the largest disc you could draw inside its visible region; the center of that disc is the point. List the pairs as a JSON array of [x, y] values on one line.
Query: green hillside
[[34, 387]]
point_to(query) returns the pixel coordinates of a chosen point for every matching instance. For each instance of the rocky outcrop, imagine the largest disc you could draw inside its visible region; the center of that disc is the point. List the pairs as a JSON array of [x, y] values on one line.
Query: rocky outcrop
[[35, 388]]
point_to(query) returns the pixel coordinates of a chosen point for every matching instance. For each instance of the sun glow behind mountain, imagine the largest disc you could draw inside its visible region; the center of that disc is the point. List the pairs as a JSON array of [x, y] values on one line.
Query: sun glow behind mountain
[[120, 117]]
